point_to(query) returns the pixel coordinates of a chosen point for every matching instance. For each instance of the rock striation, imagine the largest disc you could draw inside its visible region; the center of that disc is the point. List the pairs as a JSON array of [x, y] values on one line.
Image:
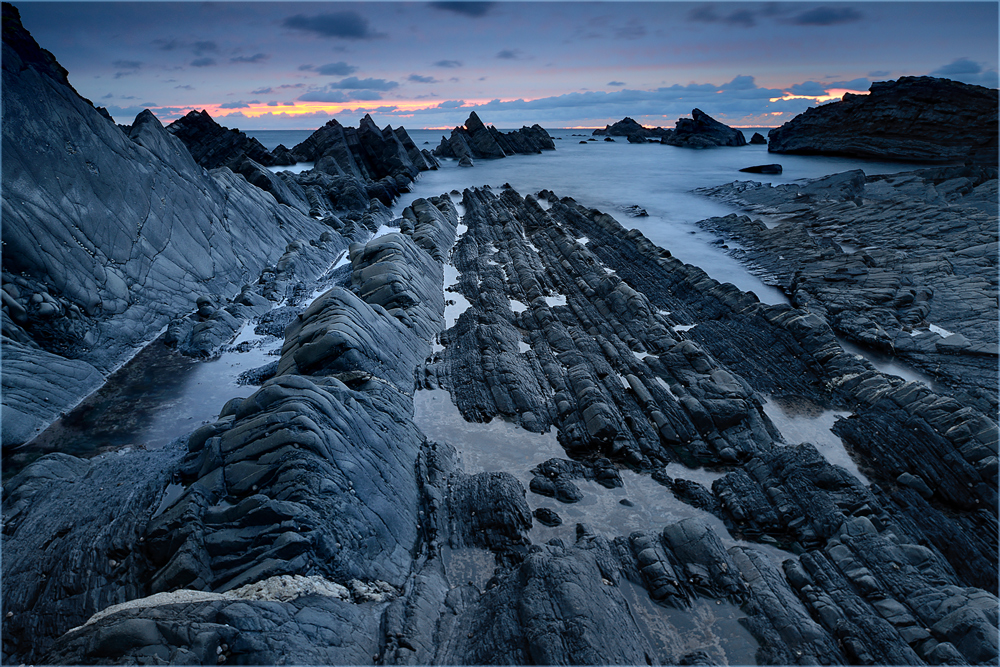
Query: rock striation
[[477, 140], [108, 236], [313, 522], [917, 119], [865, 253]]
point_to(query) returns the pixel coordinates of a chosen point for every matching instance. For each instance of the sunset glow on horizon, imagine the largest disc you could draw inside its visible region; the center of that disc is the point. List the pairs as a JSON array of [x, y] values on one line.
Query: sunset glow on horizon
[[296, 65]]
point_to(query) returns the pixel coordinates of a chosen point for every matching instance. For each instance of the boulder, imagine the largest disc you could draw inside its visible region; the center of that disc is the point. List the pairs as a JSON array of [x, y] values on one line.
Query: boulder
[[763, 169]]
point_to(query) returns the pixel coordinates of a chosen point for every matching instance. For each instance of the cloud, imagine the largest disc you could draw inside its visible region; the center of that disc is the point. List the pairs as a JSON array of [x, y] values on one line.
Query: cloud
[[812, 88], [616, 83], [471, 9], [108, 96], [126, 67], [877, 74], [336, 93], [968, 71], [336, 69], [254, 59], [198, 48], [634, 30], [184, 87], [509, 54], [451, 104], [261, 91], [292, 85], [354, 83], [272, 103], [448, 63], [416, 78], [824, 16], [202, 62], [339, 25], [238, 105]]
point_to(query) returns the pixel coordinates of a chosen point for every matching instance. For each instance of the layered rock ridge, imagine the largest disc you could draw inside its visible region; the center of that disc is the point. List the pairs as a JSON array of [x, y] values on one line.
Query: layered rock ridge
[[313, 522], [108, 236], [477, 140], [903, 264], [916, 119]]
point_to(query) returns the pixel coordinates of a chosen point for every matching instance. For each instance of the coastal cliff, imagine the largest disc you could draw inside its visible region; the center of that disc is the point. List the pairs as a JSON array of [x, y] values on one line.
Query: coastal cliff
[[917, 119]]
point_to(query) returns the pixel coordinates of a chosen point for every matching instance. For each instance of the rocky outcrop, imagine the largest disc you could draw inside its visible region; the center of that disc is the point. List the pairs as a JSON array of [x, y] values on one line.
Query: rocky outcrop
[[313, 522], [476, 140], [865, 253], [916, 119], [758, 139], [699, 131], [627, 127], [111, 235], [763, 169], [213, 146], [703, 131]]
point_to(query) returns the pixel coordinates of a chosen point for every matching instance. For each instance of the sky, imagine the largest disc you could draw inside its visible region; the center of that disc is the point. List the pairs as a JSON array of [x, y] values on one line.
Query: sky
[[296, 65]]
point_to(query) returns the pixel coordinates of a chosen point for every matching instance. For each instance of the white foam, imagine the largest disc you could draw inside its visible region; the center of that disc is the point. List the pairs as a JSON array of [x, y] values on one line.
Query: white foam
[[517, 306], [556, 300]]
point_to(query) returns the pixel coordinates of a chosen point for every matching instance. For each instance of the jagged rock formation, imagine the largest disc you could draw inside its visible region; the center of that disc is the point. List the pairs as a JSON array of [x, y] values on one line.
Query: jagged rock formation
[[758, 139], [313, 521], [108, 236], [476, 140], [917, 119], [214, 146], [699, 131], [866, 254]]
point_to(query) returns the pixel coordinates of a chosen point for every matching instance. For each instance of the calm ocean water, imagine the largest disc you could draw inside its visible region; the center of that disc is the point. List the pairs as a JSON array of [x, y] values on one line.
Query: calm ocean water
[[611, 176]]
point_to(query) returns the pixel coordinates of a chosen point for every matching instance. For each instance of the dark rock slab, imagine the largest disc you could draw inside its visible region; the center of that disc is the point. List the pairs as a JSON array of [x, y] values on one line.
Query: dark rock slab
[[758, 139], [763, 169], [919, 119]]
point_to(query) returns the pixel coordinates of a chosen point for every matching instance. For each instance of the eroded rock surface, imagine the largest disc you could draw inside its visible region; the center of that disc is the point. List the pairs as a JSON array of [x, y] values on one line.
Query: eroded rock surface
[[905, 264]]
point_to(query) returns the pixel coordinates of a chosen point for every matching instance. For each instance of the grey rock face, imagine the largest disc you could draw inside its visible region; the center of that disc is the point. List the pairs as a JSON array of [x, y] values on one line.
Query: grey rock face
[[127, 229], [922, 119], [476, 140], [865, 253]]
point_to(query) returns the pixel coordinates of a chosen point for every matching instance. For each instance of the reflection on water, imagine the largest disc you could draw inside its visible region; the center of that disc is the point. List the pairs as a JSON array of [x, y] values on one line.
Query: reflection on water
[[711, 626], [500, 446], [800, 420], [156, 397]]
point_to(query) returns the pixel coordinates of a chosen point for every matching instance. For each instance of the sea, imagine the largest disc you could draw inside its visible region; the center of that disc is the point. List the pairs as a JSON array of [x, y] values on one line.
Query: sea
[[612, 176]]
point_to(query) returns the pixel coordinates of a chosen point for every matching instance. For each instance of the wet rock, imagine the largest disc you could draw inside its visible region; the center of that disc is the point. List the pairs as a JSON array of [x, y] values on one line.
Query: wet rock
[[758, 139], [547, 517], [627, 127], [922, 119]]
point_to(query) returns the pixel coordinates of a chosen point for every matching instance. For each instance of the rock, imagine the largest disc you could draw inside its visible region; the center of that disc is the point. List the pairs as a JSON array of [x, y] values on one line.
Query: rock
[[547, 517], [919, 119], [629, 128], [609, 139], [763, 169], [758, 139], [703, 131], [476, 140], [213, 146], [112, 250]]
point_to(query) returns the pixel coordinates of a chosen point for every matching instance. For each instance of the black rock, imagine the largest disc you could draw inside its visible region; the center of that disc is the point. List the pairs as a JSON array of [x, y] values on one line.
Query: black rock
[[476, 140], [919, 119], [213, 145], [758, 139], [763, 169], [547, 517], [703, 131]]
